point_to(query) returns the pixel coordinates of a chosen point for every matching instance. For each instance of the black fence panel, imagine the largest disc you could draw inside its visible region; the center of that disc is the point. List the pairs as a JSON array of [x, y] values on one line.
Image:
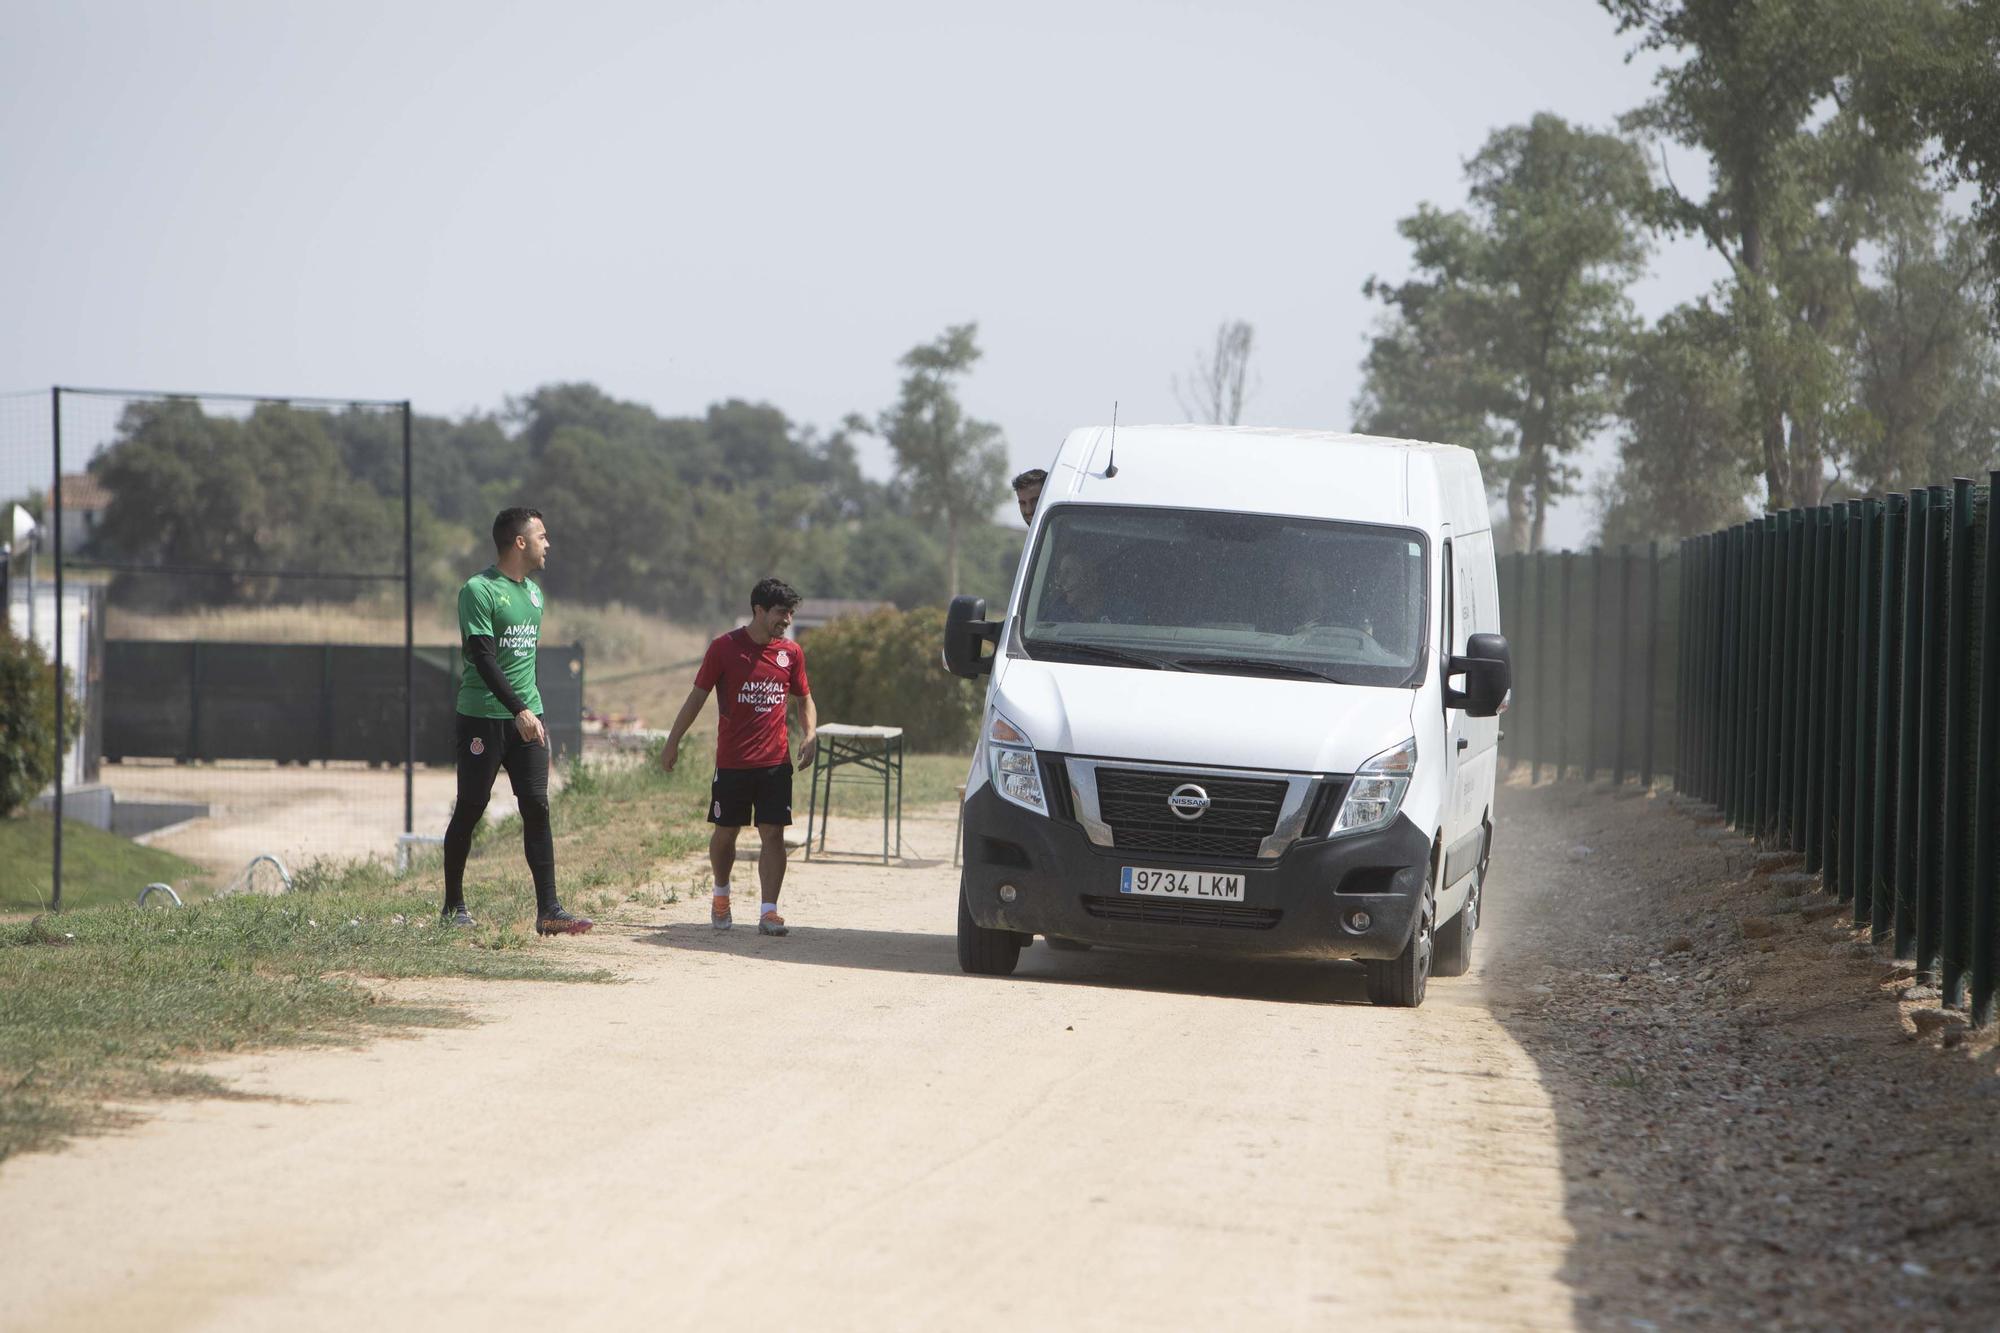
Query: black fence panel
[[302, 703], [1839, 696], [1598, 665]]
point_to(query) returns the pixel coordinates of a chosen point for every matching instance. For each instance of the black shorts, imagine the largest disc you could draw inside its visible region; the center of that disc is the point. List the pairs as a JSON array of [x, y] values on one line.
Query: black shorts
[[738, 793]]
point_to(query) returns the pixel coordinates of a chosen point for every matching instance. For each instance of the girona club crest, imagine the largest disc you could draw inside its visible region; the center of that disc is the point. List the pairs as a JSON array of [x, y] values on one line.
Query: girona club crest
[[478, 746], [784, 658]]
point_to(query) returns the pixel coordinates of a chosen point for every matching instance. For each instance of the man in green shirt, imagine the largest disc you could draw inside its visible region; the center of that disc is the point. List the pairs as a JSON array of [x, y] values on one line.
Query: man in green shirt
[[500, 717]]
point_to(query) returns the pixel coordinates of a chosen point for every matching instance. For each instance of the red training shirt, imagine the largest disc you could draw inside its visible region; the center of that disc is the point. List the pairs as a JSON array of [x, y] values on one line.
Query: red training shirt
[[755, 680]]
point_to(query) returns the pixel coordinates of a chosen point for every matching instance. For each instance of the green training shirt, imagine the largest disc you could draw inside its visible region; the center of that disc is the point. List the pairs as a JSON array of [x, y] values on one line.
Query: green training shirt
[[509, 613]]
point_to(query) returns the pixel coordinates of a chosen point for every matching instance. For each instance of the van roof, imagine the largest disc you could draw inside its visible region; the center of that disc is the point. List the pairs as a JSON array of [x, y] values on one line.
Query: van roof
[[1260, 469]]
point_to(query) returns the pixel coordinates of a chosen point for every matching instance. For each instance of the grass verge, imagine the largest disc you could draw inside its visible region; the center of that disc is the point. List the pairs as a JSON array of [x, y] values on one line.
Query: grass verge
[[98, 867], [106, 1005]]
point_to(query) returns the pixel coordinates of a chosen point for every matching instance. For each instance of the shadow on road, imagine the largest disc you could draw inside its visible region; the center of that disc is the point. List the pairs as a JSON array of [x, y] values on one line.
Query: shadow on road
[[1282, 982]]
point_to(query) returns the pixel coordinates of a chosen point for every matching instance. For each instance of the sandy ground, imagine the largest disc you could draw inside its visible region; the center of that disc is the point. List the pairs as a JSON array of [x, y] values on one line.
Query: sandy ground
[[1678, 1091], [837, 1130]]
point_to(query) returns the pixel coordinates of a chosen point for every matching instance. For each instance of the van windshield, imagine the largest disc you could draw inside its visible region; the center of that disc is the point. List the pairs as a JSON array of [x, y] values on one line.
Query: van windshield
[[1252, 594]]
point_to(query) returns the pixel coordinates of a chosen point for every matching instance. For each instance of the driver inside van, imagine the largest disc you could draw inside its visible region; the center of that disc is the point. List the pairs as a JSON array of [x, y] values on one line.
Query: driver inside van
[[1076, 591], [1083, 590]]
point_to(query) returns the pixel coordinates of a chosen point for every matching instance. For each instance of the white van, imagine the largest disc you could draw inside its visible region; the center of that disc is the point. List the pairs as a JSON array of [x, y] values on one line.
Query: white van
[[1244, 699]]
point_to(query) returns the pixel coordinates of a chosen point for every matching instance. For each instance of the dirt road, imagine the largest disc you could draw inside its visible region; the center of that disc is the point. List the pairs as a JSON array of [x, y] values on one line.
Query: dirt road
[[835, 1129]]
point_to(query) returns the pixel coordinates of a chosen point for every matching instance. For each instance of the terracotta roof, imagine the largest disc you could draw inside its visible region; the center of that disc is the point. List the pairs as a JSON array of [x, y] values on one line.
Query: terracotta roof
[[83, 491]]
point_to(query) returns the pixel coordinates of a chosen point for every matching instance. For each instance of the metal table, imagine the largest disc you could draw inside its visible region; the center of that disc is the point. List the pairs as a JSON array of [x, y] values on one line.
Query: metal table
[[871, 754]]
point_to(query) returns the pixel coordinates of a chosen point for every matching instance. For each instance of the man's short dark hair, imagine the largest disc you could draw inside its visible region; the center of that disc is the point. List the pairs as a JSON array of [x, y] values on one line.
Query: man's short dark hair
[[1034, 476], [511, 524], [770, 594]]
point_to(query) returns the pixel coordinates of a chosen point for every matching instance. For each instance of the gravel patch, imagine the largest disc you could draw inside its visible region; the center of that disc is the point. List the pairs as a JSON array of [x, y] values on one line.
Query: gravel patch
[[1766, 1121]]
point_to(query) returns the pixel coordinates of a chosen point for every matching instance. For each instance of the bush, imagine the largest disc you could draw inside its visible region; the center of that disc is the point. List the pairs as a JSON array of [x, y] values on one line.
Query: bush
[[28, 722], [887, 669]]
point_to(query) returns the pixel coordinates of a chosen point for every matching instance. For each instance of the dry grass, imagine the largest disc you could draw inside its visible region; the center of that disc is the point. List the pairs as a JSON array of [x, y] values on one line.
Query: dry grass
[[343, 622]]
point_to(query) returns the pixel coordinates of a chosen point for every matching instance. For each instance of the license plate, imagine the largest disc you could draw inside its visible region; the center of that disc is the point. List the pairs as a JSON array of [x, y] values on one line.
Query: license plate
[[1199, 885]]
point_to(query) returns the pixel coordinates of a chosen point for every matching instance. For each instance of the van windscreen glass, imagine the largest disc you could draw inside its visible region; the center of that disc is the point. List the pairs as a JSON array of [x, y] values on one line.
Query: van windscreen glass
[[1250, 594]]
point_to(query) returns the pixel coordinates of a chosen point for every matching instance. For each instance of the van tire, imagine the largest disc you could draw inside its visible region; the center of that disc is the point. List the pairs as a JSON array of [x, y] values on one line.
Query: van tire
[[1399, 982], [983, 952], [1453, 957]]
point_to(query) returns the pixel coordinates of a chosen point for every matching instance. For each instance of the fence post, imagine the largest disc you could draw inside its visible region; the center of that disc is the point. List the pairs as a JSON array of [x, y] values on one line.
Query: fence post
[[1770, 723], [1541, 661], [1909, 746], [1652, 660], [1739, 662], [1787, 621], [1562, 670], [1832, 762], [1844, 733], [1952, 898], [1770, 730], [1985, 941], [1725, 671], [1815, 687], [1929, 786], [1800, 708], [1623, 694], [1888, 732], [1861, 802], [1753, 676]]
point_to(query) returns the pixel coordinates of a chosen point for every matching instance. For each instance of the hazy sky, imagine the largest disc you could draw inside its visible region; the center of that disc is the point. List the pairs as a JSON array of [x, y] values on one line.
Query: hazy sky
[[686, 202]]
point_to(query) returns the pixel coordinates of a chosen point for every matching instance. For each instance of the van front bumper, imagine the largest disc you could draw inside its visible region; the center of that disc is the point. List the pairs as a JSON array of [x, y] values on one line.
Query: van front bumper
[[1300, 905]]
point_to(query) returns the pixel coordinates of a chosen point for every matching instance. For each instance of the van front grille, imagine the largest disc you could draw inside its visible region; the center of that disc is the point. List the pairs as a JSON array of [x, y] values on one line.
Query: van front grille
[[1242, 812]]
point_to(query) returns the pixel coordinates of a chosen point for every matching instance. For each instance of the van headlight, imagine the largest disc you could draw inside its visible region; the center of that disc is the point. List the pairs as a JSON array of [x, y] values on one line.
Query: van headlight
[[1011, 763], [1376, 793]]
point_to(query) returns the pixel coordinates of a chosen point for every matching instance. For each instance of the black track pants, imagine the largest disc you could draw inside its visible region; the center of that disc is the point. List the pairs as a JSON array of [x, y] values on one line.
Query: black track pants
[[485, 746]]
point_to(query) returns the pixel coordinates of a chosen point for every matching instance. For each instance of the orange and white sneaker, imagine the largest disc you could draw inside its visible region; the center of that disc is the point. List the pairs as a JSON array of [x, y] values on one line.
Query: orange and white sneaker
[[770, 923], [718, 912]]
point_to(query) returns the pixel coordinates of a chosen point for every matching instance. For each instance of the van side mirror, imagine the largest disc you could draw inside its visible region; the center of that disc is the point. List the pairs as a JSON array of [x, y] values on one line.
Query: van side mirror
[[1488, 668], [965, 628]]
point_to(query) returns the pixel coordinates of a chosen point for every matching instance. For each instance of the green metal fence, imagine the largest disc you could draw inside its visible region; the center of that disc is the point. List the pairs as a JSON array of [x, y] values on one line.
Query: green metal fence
[[1596, 641], [1841, 677]]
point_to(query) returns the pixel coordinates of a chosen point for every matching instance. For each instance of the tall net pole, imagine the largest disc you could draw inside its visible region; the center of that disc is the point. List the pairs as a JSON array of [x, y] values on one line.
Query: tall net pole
[[409, 642], [56, 504]]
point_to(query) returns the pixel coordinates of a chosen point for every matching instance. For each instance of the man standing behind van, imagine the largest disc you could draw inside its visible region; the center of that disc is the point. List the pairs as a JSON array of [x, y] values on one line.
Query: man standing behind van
[[759, 669], [1028, 492], [499, 717]]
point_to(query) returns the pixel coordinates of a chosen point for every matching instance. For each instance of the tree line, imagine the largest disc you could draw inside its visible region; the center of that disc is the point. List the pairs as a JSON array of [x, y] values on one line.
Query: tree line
[[1849, 349], [675, 515]]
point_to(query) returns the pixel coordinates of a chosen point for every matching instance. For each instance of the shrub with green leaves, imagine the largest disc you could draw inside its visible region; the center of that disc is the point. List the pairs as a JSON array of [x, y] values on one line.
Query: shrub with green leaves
[[28, 721], [887, 669]]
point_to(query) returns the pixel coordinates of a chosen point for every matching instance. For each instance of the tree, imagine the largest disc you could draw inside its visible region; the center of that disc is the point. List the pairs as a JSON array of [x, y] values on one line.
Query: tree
[[1509, 338], [1937, 77], [1215, 389], [236, 505], [1686, 457], [28, 696], [953, 468], [1926, 372], [1773, 94]]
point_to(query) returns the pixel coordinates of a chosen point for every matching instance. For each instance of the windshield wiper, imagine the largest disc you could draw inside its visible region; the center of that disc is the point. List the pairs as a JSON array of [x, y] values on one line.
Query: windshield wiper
[[1048, 647], [1263, 664]]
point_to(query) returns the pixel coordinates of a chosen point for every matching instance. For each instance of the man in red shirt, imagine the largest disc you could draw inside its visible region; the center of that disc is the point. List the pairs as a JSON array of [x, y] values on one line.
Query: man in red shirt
[[758, 669]]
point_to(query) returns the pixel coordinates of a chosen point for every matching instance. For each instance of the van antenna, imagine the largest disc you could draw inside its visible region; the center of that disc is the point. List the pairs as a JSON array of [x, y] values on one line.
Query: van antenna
[[1111, 466]]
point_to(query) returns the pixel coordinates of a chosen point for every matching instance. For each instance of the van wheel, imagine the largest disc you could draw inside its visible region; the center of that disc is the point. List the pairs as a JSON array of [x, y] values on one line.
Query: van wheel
[[1454, 938], [989, 953], [1398, 982]]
